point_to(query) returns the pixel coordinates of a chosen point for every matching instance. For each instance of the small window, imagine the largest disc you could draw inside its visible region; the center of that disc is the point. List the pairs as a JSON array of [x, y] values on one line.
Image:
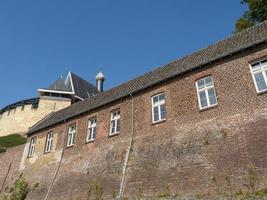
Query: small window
[[259, 74], [158, 108], [49, 142], [71, 135], [115, 123], [32, 147], [91, 132], [206, 92]]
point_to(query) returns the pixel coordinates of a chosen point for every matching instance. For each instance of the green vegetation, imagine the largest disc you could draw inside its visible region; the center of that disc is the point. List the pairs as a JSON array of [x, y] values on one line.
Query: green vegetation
[[97, 191], [256, 13], [19, 191], [11, 141], [2, 149], [260, 194]]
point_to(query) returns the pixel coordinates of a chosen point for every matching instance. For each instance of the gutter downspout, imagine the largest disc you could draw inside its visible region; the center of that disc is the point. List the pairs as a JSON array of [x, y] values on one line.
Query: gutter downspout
[[61, 158], [5, 178], [122, 185]]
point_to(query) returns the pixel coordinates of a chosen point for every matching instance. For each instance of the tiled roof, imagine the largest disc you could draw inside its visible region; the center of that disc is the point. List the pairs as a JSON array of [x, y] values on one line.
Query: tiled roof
[[237, 42], [83, 88], [59, 85]]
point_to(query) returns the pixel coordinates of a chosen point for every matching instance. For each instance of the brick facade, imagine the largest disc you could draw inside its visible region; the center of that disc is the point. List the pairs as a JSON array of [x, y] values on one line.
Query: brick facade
[[192, 153]]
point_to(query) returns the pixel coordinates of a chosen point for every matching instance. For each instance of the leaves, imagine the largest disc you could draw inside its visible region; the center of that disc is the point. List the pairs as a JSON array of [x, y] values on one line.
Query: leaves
[[257, 12], [19, 191]]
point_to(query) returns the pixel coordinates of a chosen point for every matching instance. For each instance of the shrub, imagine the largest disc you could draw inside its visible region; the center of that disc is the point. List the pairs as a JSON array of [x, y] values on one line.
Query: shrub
[[19, 191], [2, 149], [97, 191]]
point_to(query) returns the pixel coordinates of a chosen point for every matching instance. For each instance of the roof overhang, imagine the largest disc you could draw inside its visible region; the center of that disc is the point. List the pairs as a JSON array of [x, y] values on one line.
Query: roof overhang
[[55, 91]]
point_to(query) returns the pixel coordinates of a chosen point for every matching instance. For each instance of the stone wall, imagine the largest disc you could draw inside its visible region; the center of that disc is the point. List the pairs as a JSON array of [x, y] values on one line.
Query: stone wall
[[193, 153], [19, 120]]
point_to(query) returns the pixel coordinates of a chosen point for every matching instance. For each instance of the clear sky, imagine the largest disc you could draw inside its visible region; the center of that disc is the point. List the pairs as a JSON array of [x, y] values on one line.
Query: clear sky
[[41, 40]]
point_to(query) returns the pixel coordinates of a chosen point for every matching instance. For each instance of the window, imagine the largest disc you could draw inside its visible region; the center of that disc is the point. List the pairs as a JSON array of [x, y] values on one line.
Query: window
[[91, 132], [158, 108], [49, 142], [32, 147], [206, 92], [259, 74], [71, 135], [115, 123]]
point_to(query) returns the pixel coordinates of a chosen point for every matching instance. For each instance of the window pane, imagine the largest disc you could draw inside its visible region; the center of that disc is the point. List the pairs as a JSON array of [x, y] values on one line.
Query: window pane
[[201, 84], [203, 99], [255, 66], [264, 63], [90, 133], [113, 127], [155, 99], [156, 113], [260, 81], [208, 81], [212, 96], [161, 97], [163, 111], [73, 137], [94, 133], [118, 126]]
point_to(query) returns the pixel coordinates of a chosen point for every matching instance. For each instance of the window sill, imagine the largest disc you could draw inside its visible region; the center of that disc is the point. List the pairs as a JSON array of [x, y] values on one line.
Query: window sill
[[89, 141], [158, 122], [47, 152], [113, 135], [70, 146], [208, 108], [261, 92]]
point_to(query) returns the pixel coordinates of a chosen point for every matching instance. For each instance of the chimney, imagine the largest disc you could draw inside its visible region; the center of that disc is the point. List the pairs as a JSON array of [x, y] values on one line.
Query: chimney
[[100, 78]]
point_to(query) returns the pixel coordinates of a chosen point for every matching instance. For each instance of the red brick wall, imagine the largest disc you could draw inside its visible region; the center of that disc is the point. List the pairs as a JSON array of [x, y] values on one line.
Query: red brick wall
[[12, 156], [192, 153]]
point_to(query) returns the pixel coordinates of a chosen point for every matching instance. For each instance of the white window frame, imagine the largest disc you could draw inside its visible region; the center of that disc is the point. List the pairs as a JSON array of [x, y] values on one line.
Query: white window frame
[[91, 130], [206, 88], [263, 70], [49, 142], [158, 104], [115, 117], [71, 135], [32, 147]]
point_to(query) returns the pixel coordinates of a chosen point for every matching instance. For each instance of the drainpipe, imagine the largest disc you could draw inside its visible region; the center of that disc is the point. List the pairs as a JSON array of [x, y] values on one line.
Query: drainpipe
[[60, 161], [122, 185], [5, 178]]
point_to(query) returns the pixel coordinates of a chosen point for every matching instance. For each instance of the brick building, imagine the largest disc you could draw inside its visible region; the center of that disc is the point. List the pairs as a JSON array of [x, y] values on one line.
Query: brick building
[[190, 128]]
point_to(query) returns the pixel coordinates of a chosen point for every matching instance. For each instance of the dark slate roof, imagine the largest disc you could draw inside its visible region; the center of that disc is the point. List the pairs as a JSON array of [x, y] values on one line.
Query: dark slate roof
[[59, 85], [240, 41], [83, 88], [32, 101]]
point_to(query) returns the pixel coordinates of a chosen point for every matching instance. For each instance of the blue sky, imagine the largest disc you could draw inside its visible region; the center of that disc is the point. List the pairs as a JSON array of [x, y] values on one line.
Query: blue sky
[[41, 40]]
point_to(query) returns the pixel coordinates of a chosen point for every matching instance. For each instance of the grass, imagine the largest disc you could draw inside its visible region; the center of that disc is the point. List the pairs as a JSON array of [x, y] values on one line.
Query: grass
[[11, 141], [259, 194], [2, 149]]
